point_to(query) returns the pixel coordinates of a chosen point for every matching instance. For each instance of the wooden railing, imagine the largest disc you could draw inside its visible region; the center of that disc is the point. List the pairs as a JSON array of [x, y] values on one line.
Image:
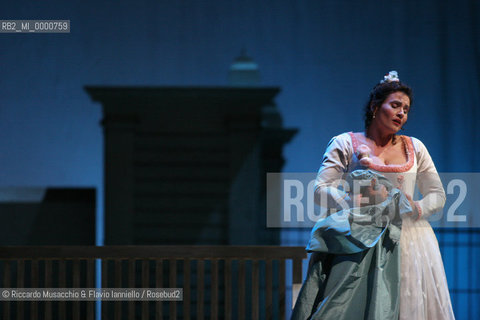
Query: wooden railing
[[230, 282]]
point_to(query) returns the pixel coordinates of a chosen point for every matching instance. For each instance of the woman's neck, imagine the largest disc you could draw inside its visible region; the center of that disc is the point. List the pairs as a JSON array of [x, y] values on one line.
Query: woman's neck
[[379, 138]]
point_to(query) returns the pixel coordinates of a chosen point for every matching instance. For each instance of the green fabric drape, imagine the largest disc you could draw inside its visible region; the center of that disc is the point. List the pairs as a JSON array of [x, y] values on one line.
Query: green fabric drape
[[358, 273]]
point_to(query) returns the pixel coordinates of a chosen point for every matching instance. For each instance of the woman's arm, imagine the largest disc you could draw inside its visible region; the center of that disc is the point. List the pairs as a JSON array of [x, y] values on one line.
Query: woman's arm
[[429, 183], [334, 165]]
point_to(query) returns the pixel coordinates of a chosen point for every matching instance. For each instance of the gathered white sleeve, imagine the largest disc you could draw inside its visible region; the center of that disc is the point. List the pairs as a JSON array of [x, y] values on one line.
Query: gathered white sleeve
[[334, 164], [428, 182]]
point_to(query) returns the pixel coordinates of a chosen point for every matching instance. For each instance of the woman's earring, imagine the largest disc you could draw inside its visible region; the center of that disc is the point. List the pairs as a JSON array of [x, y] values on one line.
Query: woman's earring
[[373, 116]]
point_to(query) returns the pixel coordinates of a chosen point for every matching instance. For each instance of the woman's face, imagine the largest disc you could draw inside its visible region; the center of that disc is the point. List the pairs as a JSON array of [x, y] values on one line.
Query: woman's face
[[393, 113]]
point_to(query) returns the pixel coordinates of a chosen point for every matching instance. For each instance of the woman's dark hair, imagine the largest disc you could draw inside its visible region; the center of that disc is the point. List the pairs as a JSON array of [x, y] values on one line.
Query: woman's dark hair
[[380, 93]]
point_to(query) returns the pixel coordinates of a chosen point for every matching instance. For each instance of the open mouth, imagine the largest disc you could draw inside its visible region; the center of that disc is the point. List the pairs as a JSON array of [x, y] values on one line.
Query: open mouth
[[398, 122]]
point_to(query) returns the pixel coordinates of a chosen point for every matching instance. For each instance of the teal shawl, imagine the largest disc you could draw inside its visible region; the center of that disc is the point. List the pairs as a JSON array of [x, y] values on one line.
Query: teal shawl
[[357, 275]]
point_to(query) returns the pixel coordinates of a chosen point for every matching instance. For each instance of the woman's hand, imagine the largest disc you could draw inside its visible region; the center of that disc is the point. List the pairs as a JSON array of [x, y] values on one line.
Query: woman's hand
[[413, 205], [374, 194]]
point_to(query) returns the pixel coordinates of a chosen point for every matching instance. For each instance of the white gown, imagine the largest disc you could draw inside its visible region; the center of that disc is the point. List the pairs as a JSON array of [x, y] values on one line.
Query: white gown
[[423, 289]]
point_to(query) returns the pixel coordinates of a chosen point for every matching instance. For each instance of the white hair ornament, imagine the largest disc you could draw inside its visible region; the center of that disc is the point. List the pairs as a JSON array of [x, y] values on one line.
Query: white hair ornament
[[390, 77]]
